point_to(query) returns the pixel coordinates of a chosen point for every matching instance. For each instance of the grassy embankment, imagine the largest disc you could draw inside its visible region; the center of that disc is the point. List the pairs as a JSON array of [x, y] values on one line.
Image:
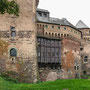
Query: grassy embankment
[[74, 84]]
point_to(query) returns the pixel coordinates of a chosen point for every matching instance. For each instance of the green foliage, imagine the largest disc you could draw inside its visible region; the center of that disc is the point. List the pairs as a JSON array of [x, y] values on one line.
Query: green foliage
[[88, 77], [84, 76], [39, 81], [72, 84], [10, 7], [8, 76]]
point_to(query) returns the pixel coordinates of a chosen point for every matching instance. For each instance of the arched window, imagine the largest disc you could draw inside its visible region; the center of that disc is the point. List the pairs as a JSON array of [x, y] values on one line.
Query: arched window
[[58, 35], [61, 35], [67, 35], [13, 52], [46, 33], [55, 34], [49, 34], [52, 34], [84, 72], [64, 35]]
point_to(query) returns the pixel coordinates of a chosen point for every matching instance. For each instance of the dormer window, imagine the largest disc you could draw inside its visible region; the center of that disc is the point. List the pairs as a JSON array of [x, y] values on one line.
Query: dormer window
[[40, 14], [45, 15], [13, 32]]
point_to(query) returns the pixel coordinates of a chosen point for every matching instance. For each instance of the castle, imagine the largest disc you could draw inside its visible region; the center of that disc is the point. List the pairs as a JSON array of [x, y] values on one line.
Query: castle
[[43, 48]]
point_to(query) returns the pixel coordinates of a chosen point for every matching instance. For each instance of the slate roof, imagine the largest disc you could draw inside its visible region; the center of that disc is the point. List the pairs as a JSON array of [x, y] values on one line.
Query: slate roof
[[81, 25], [52, 20], [42, 10]]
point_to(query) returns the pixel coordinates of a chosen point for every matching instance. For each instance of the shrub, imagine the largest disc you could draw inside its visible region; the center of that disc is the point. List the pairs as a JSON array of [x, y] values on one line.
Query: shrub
[[10, 76], [84, 76]]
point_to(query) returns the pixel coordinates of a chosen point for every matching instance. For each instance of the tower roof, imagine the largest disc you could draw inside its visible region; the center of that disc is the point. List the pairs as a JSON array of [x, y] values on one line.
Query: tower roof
[[81, 24]]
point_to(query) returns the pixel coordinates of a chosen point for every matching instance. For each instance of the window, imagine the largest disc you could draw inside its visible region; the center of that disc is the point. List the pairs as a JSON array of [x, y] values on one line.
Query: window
[[46, 26], [57, 54], [13, 52], [84, 72], [45, 15], [55, 34], [43, 54], [49, 54], [81, 49], [67, 35], [64, 28], [71, 30], [52, 34], [40, 25], [46, 33], [89, 31], [75, 67], [85, 58], [38, 54], [40, 14], [58, 27], [53, 54], [77, 76], [13, 32], [61, 35], [64, 35], [53, 27], [58, 35], [49, 34]]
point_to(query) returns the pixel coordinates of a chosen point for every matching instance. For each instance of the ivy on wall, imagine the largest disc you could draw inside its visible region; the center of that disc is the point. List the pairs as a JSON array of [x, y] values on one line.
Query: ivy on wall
[[10, 7]]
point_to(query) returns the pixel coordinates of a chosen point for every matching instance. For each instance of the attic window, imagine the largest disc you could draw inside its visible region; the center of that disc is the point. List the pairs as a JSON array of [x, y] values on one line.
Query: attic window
[[40, 14], [45, 15]]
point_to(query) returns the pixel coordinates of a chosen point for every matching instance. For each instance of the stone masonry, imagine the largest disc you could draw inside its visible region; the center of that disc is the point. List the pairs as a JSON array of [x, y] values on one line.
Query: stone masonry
[[43, 48], [25, 63]]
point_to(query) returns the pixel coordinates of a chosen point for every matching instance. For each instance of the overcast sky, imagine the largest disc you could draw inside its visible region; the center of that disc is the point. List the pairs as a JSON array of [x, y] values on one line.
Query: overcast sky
[[73, 10]]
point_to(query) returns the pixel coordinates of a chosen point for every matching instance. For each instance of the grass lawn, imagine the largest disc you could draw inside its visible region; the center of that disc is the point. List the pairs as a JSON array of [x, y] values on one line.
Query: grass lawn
[[74, 84]]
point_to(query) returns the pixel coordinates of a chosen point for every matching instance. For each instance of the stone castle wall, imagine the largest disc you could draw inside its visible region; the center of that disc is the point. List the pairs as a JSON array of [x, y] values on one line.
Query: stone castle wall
[[25, 64], [71, 57]]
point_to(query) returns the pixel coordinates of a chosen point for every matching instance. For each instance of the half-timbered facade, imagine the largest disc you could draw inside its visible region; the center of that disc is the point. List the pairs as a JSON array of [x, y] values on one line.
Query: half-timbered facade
[[49, 52]]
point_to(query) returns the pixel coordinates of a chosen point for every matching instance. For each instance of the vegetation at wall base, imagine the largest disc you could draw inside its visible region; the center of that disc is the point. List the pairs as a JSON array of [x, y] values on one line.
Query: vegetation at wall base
[[72, 84], [8, 76]]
